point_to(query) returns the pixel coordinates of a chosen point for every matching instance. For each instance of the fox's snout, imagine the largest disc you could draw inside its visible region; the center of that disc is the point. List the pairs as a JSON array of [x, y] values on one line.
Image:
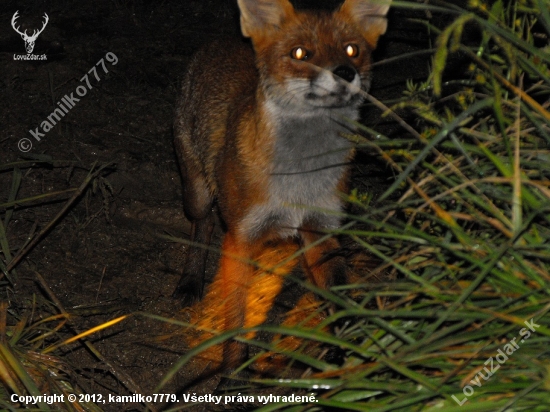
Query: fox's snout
[[339, 87], [343, 82], [346, 73]]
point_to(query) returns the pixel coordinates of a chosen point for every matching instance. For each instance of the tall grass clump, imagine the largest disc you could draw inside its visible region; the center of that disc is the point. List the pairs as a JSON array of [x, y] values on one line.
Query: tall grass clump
[[464, 231]]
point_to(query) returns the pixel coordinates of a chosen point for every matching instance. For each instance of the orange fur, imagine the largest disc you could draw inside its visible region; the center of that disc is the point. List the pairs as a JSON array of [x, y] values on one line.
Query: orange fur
[[264, 286], [259, 131]]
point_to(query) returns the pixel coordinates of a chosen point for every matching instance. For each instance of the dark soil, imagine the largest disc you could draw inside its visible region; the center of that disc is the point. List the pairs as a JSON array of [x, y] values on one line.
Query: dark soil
[[106, 256]]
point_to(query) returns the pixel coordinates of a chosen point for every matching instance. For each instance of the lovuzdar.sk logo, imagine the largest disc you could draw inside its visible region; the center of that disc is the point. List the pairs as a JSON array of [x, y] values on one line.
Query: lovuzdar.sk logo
[[29, 40]]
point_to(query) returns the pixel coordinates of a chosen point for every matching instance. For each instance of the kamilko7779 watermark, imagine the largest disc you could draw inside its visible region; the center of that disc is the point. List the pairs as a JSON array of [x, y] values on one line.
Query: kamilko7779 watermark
[[66, 103]]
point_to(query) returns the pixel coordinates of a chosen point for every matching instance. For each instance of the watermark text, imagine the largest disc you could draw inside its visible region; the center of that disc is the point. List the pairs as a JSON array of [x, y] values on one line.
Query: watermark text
[[67, 102], [493, 363]]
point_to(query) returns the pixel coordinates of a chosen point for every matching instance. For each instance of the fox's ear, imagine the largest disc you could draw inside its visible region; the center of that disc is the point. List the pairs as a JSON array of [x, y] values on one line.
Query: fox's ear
[[369, 16], [259, 16]]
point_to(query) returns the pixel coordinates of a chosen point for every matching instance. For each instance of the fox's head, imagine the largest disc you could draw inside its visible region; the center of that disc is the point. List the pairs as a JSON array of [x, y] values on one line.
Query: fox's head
[[314, 59]]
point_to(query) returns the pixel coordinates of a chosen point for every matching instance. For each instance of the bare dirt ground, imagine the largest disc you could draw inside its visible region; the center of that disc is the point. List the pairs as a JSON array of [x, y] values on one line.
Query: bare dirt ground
[[106, 256]]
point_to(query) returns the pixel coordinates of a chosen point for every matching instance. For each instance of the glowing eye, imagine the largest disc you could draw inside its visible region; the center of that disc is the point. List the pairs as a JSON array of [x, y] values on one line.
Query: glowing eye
[[352, 50], [299, 53]]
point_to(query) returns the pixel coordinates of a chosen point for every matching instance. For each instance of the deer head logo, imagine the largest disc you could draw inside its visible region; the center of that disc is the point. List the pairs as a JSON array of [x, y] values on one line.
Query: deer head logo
[[29, 40]]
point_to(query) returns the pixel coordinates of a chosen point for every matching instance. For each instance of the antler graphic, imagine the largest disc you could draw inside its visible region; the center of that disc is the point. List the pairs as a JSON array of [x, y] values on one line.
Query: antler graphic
[[29, 40]]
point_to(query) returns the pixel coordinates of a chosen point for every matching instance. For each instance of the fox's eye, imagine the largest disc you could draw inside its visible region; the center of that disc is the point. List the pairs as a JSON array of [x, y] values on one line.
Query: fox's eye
[[299, 53], [352, 50]]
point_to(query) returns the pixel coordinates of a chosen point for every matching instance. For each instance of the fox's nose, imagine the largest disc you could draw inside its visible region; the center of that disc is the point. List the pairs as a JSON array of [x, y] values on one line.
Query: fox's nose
[[345, 72]]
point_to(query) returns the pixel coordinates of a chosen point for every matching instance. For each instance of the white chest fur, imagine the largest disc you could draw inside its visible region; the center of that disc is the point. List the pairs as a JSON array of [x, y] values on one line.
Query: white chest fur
[[310, 156]]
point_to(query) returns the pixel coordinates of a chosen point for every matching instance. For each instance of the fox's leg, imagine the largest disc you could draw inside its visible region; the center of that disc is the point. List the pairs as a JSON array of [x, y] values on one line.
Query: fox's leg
[[197, 205], [238, 266], [322, 265], [236, 273]]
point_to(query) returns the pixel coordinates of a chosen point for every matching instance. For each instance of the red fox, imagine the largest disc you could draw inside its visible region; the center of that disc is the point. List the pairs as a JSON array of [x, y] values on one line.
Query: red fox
[[259, 130]]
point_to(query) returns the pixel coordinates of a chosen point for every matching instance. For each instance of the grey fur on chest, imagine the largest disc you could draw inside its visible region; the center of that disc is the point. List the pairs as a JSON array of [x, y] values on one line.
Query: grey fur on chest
[[309, 159], [310, 156]]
